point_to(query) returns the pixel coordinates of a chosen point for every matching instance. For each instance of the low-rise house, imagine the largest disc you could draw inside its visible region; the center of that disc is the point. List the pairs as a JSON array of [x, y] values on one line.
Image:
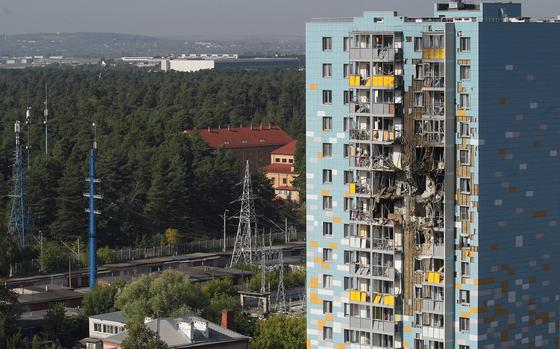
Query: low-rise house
[[282, 173]]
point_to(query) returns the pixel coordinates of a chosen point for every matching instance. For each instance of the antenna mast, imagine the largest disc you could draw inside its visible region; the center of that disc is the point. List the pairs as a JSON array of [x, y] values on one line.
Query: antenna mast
[[45, 122], [19, 218], [242, 249], [92, 211], [28, 125]]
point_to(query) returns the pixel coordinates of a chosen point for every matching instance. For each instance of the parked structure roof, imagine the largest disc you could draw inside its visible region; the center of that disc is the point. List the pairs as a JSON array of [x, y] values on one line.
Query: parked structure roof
[[243, 137]]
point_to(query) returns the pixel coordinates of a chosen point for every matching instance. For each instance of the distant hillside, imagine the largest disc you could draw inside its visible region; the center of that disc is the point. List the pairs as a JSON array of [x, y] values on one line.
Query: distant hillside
[[112, 45]]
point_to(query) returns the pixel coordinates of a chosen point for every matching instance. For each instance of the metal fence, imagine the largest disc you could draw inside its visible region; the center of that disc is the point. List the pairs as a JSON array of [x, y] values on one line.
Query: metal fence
[[130, 254]]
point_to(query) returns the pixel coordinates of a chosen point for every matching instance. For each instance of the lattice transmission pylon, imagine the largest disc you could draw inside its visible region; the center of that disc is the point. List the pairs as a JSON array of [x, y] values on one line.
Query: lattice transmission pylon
[[281, 305], [242, 248], [19, 217]]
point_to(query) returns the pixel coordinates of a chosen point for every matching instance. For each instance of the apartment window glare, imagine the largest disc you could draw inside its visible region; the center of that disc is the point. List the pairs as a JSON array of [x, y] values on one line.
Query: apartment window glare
[[346, 44], [327, 123], [327, 229], [327, 202], [327, 97], [327, 70], [464, 157], [465, 185], [327, 176], [464, 129], [464, 324], [465, 72], [465, 44], [464, 213], [327, 281], [327, 307], [327, 150], [418, 99], [327, 255], [327, 333], [465, 101], [418, 44], [327, 43], [464, 296]]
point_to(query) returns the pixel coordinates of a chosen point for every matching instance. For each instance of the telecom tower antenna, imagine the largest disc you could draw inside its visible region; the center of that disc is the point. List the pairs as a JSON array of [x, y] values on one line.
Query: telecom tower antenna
[[28, 146], [281, 293], [242, 248], [92, 211], [19, 218], [45, 121]]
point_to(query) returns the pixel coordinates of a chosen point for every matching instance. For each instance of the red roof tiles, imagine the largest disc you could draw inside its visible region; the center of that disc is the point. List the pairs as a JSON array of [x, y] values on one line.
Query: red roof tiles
[[288, 149], [280, 168], [244, 137]]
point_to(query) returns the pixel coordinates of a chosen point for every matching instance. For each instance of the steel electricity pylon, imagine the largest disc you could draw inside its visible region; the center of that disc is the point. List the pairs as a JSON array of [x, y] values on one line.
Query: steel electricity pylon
[[243, 249], [281, 305], [19, 217]]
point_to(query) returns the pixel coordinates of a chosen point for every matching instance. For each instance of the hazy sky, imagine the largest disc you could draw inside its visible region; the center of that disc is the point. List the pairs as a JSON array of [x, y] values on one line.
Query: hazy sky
[[202, 17]]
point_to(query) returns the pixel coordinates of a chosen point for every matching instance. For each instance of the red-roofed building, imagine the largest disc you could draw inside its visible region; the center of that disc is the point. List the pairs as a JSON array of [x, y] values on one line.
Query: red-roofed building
[[254, 143], [282, 173]]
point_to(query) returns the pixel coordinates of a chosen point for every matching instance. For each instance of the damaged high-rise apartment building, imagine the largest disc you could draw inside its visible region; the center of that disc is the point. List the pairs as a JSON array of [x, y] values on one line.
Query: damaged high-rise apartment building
[[433, 183]]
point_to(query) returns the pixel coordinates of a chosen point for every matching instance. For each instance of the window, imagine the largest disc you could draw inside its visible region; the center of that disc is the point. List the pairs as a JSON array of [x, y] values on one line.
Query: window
[[347, 122], [465, 269], [347, 230], [327, 255], [419, 71], [327, 229], [327, 281], [327, 97], [327, 202], [345, 70], [346, 44], [464, 324], [418, 99], [284, 160], [464, 296], [464, 213], [465, 44], [461, 346], [97, 327], [284, 180], [277, 159], [465, 185], [327, 70], [348, 177], [465, 101], [418, 44], [464, 129], [327, 43], [465, 72], [327, 150], [327, 307], [346, 150], [327, 123], [347, 203], [291, 161], [347, 257], [346, 96], [327, 176], [327, 333], [464, 157]]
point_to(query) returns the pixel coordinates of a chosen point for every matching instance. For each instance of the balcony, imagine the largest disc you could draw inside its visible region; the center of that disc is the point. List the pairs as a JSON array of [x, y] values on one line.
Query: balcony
[[383, 272], [360, 269], [433, 306], [379, 163], [383, 244], [433, 278], [376, 136], [383, 299], [360, 135], [378, 81], [359, 296], [377, 109], [359, 242], [436, 109], [433, 82], [361, 215], [387, 327], [382, 54], [435, 54], [433, 332], [361, 188]]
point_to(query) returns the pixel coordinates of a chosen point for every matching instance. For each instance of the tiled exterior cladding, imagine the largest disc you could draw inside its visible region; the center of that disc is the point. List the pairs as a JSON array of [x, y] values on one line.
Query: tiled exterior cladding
[[432, 200]]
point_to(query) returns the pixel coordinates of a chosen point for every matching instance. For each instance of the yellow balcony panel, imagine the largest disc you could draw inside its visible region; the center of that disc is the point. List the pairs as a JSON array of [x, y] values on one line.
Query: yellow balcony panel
[[352, 188]]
